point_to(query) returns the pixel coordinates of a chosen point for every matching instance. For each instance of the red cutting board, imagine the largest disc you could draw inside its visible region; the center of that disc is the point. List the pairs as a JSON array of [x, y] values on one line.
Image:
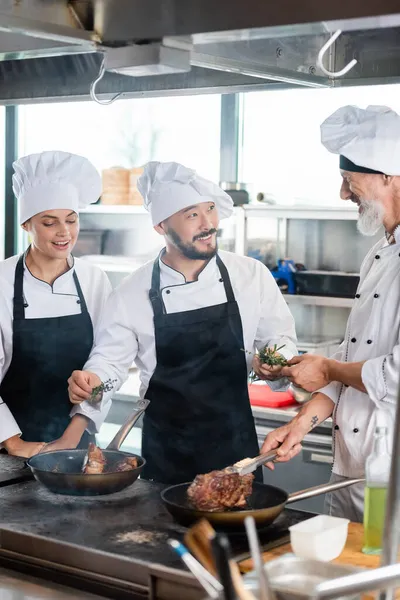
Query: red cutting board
[[262, 395]]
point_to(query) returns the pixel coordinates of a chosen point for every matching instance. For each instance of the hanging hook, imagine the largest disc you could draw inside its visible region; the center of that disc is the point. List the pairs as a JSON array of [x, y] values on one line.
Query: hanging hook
[[321, 55], [96, 81]]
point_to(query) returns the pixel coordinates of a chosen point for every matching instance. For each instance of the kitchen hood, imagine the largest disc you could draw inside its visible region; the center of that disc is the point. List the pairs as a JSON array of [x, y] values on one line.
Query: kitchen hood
[[51, 50]]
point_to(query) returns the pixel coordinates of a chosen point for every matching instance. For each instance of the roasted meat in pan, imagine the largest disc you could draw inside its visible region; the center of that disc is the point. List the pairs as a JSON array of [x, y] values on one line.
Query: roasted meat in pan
[[96, 461], [128, 464], [220, 490]]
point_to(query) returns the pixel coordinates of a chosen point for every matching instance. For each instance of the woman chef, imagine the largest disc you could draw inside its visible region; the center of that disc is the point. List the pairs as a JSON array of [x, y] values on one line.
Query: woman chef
[[50, 303]]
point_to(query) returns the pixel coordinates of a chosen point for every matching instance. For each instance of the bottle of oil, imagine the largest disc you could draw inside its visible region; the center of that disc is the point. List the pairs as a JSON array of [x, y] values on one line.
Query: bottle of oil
[[377, 471]]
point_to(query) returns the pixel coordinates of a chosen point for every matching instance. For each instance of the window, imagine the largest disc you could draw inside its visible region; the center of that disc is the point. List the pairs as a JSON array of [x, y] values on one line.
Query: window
[[282, 153], [129, 133], [2, 181]]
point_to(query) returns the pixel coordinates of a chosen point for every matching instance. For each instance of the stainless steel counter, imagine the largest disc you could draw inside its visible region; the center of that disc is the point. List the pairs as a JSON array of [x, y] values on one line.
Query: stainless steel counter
[[17, 586]]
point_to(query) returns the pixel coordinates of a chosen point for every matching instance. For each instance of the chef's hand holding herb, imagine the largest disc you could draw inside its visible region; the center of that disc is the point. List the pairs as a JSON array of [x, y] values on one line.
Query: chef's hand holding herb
[[15, 446], [290, 436], [268, 364], [312, 372], [83, 385]]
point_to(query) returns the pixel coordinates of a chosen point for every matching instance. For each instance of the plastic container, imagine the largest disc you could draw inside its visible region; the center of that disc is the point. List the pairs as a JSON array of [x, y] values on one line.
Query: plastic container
[[320, 538]]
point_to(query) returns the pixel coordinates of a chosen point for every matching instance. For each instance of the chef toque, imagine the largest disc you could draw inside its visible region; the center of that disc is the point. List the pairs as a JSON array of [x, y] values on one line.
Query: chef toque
[[170, 187], [367, 140], [52, 180]]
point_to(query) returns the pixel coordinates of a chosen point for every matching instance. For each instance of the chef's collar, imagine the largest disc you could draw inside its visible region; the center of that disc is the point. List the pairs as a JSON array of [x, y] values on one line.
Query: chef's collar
[[171, 276], [393, 238], [345, 164], [59, 282]]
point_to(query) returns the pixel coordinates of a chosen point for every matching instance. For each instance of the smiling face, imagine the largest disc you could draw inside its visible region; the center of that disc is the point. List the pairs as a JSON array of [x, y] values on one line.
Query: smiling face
[[54, 232], [370, 193], [193, 231]]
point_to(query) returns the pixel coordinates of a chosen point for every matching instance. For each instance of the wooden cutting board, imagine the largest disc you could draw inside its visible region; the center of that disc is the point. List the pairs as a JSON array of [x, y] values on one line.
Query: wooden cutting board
[[351, 555]]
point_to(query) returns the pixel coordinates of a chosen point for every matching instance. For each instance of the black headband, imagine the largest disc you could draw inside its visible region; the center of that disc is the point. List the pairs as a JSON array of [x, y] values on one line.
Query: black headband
[[347, 165]]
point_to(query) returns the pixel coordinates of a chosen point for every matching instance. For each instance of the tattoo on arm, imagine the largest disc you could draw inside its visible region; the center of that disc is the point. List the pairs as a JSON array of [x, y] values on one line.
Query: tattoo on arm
[[314, 421]]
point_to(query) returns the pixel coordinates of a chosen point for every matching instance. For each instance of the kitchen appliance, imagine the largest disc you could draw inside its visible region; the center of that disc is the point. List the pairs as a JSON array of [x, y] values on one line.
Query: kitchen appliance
[[60, 471], [237, 191], [326, 283], [265, 504]]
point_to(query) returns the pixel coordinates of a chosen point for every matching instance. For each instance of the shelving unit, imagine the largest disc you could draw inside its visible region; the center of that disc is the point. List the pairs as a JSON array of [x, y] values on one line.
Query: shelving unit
[[329, 301]]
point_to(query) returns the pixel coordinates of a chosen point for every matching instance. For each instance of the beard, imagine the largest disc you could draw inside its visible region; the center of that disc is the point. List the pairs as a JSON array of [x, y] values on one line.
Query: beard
[[371, 217], [189, 250]]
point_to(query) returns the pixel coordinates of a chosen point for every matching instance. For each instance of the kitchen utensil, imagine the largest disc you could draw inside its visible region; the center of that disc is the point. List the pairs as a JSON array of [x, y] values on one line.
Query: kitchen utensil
[[265, 504], [265, 590], [320, 538], [299, 394], [221, 550], [60, 471], [296, 578], [248, 465], [198, 539], [211, 585]]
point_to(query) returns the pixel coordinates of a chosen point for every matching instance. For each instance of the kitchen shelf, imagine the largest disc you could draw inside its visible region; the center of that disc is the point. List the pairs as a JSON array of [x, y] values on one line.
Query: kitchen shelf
[[301, 212], [319, 300], [111, 209]]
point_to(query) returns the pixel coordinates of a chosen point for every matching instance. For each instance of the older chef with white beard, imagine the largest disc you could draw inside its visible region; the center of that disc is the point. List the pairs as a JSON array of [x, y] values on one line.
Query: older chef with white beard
[[359, 383], [50, 306], [185, 319]]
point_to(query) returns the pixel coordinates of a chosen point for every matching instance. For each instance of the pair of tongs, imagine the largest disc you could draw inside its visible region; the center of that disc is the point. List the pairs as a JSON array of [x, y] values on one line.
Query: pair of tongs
[[248, 465]]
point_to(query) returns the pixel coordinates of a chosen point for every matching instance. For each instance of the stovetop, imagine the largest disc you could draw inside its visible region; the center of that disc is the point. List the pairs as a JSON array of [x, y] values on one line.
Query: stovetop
[[130, 523]]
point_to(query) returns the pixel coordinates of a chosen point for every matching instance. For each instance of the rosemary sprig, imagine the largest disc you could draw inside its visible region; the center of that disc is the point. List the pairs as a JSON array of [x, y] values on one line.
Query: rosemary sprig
[[271, 356]]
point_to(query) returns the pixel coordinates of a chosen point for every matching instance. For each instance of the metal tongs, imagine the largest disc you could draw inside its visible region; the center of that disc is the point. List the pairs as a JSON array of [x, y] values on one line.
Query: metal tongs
[[248, 465]]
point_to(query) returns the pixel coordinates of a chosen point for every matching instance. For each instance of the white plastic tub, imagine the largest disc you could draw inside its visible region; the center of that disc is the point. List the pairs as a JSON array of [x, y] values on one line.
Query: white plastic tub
[[321, 538]]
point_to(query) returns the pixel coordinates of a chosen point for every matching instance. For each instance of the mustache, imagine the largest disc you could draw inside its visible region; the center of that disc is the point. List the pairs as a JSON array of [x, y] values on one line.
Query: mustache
[[204, 234]]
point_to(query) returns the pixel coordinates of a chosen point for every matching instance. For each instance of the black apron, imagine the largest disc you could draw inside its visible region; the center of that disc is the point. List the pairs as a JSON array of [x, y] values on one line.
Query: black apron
[[45, 352], [199, 418]]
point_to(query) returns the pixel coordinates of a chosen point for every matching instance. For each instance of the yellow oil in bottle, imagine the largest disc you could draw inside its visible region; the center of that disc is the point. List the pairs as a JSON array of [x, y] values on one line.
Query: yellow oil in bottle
[[374, 518]]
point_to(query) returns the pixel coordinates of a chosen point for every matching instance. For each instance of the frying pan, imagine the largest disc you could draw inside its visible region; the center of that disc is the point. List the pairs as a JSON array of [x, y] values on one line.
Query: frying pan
[[60, 471], [264, 505]]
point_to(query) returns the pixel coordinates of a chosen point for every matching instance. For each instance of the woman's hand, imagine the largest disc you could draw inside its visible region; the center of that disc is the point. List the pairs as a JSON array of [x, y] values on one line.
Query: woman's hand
[[81, 384], [15, 446]]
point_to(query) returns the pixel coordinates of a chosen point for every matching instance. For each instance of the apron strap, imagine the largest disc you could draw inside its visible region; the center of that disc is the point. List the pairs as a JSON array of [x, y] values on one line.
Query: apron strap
[[19, 300], [230, 296], [155, 295], [82, 300]]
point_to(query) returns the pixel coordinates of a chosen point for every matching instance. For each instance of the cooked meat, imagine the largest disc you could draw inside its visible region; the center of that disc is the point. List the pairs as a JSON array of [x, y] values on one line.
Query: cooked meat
[[96, 461], [128, 464], [220, 490]]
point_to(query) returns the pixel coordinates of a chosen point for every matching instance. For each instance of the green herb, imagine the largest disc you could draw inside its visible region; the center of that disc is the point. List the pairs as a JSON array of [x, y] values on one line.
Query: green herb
[[106, 386], [96, 391], [271, 356]]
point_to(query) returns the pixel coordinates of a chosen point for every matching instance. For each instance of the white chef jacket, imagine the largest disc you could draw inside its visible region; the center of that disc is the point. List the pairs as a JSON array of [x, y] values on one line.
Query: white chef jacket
[[45, 300], [127, 330], [372, 335]]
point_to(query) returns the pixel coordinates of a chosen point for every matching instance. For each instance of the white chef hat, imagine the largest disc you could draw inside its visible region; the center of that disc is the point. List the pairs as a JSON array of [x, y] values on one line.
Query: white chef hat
[[52, 180], [170, 187], [367, 140]]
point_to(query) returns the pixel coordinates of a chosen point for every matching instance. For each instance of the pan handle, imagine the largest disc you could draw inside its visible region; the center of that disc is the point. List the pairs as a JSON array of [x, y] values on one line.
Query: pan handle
[[321, 489], [120, 436]]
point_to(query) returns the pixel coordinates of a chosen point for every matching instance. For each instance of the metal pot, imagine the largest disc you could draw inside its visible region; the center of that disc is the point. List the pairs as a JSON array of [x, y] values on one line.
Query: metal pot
[[299, 394]]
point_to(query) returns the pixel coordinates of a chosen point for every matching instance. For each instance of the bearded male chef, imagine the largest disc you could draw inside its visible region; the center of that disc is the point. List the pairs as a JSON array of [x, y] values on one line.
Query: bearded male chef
[[186, 319], [359, 383]]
